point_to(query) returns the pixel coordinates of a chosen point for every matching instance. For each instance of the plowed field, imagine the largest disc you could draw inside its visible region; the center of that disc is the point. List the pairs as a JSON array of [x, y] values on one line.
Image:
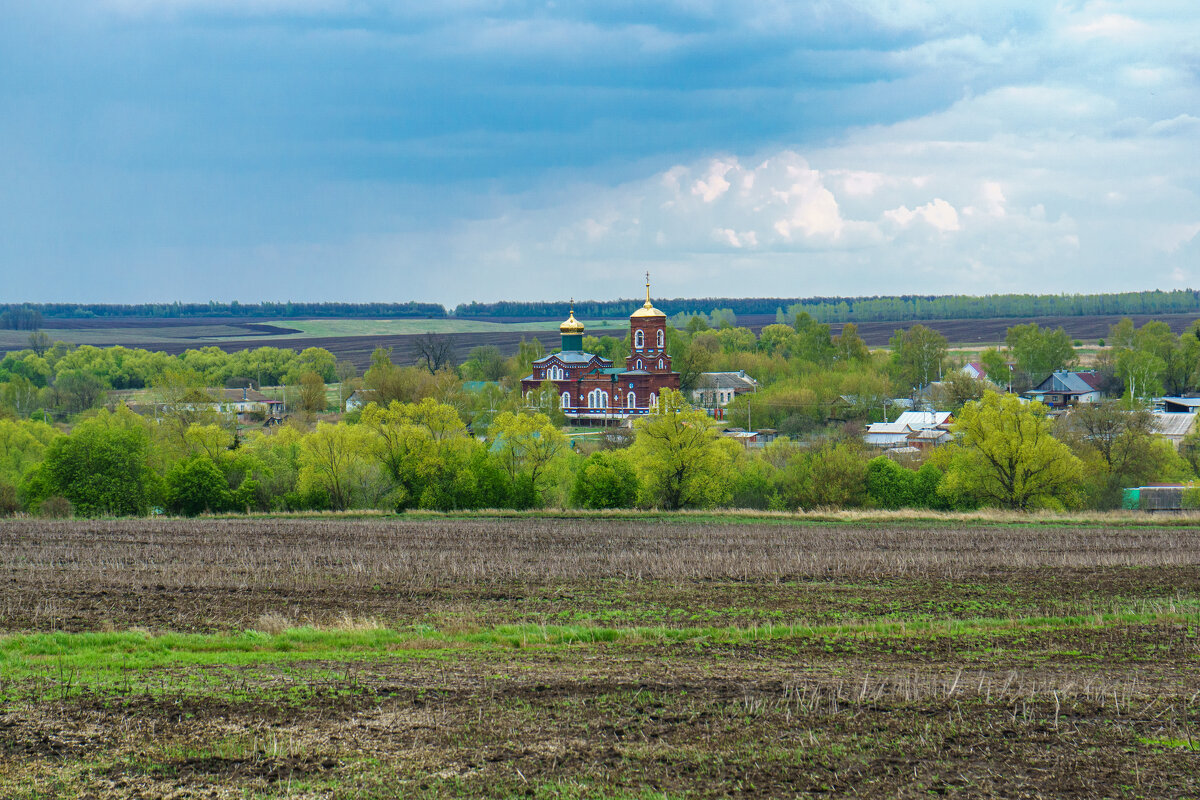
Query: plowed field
[[597, 658], [175, 336]]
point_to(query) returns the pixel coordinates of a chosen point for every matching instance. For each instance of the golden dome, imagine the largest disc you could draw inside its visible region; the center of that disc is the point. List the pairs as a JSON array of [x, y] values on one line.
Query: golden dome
[[572, 325], [647, 310]]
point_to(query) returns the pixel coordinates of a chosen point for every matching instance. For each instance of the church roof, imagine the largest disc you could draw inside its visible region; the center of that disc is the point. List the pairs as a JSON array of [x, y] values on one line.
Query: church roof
[[571, 357], [647, 310], [572, 325]]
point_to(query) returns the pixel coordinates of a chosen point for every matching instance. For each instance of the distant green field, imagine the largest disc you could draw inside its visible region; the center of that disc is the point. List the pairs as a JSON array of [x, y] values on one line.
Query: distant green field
[[397, 327]]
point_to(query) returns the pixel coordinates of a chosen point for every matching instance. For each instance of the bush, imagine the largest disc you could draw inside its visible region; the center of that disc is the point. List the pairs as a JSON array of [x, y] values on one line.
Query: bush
[[196, 486], [57, 507], [606, 480], [103, 466], [889, 485], [9, 504]]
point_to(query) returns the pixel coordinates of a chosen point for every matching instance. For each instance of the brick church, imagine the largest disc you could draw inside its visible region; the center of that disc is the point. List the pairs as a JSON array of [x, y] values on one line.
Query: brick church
[[590, 387]]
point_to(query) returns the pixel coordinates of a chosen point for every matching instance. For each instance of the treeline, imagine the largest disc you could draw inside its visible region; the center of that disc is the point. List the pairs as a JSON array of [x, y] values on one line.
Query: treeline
[[26, 316], [870, 309], [450, 436], [823, 309], [410, 455]]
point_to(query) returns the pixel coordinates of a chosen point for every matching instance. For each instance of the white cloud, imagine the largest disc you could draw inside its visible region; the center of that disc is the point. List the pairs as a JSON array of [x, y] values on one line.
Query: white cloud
[[1110, 26], [714, 184], [937, 213]]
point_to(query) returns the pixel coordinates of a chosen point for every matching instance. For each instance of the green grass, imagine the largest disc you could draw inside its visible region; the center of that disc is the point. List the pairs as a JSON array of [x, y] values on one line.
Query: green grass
[[94, 659]]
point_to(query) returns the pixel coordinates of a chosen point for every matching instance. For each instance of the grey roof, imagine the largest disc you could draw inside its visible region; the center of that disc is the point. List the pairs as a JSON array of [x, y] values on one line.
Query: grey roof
[[1173, 424], [1186, 402], [726, 380], [572, 357], [923, 419], [1063, 382]]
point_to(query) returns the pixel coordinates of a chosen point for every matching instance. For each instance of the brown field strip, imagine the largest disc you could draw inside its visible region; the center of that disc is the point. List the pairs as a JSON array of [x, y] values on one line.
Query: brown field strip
[[597, 658]]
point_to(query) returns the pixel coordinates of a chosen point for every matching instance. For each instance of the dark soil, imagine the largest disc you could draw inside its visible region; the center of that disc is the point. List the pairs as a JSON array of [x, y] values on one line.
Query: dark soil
[[1085, 708], [358, 349]]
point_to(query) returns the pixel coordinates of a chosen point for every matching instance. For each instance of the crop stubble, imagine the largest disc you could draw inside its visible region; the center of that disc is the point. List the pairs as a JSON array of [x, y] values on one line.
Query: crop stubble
[[1097, 707]]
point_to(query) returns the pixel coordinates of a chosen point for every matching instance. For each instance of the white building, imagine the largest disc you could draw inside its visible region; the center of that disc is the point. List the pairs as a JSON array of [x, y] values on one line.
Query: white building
[[718, 389]]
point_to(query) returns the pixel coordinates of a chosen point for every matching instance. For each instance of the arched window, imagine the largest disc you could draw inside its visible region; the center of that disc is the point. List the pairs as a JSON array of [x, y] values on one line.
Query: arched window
[[639, 340], [660, 340], [639, 363], [653, 400], [566, 399], [597, 399], [631, 400], [660, 363]]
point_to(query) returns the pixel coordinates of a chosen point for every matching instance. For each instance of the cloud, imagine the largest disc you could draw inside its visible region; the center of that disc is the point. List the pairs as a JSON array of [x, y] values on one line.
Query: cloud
[[937, 213], [498, 148]]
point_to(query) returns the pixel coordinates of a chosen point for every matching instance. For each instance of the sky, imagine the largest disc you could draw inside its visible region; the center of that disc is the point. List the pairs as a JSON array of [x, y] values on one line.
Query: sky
[[360, 150]]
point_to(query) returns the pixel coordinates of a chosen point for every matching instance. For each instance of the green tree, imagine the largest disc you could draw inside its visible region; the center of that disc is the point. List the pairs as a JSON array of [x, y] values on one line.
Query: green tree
[[425, 449], [334, 459], [605, 480], [312, 393], [832, 476], [485, 363], [812, 342], [688, 360], [74, 391], [995, 365], [918, 355], [1039, 351], [680, 458], [547, 400], [889, 485], [1140, 371], [1119, 448], [1009, 458], [103, 467], [848, 346], [196, 486], [529, 447]]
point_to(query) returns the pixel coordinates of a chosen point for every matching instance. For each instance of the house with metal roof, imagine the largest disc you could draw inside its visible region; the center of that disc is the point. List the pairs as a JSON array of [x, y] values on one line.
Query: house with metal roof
[[1173, 426], [1064, 388], [920, 429], [1178, 405], [718, 389]]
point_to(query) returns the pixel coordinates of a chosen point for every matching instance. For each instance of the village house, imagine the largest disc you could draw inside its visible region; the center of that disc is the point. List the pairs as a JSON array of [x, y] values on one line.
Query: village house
[[245, 400], [718, 389], [1173, 426], [912, 429], [1063, 389]]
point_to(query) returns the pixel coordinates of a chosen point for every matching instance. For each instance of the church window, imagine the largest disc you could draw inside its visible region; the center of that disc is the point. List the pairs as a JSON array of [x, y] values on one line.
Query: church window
[[631, 400], [660, 363], [660, 340], [639, 340], [639, 363], [653, 400], [566, 399]]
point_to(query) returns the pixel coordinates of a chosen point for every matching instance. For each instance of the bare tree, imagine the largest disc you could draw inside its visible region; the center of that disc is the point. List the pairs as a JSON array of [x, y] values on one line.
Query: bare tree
[[39, 340], [434, 351]]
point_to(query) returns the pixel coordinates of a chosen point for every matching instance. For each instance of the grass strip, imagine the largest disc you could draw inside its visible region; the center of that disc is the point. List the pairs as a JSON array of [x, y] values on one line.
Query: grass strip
[[46, 654], [817, 517]]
